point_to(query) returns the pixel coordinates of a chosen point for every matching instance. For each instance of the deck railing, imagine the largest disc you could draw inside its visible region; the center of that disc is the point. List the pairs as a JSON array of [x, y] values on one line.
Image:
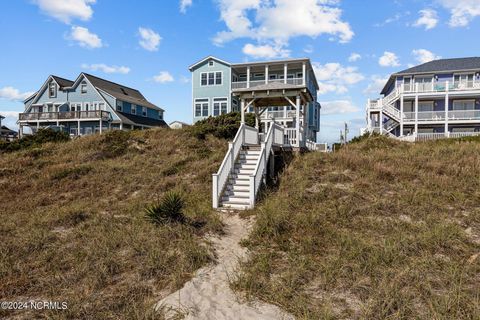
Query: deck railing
[[256, 83], [291, 137], [245, 135], [440, 115], [67, 115], [260, 172]]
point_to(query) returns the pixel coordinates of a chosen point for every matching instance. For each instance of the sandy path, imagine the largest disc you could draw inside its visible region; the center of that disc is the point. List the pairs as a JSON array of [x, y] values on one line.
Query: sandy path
[[208, 294]]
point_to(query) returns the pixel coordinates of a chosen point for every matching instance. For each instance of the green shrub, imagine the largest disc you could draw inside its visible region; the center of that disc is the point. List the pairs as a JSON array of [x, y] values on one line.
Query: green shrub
[[114, 143], [224, 126], [42, 136], [168, 210]]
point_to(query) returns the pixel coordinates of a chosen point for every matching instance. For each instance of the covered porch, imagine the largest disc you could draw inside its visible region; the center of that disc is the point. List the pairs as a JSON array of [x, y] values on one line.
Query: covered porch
[[288, 100]]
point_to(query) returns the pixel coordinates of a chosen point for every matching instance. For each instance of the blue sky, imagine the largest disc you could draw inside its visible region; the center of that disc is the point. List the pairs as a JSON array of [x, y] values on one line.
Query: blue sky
[[149, 44]]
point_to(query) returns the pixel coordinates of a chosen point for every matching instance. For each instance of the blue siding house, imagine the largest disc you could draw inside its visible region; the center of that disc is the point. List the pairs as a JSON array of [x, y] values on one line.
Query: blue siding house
[[220, 87], [88, 105], [433, 100]]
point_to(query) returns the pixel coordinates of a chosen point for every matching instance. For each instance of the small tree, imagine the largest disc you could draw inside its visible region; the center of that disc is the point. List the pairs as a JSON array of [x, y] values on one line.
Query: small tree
[[168, 210]]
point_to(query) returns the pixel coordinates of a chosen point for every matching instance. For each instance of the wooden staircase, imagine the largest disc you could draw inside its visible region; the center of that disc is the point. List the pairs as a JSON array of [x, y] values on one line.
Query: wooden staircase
[[237, 191]]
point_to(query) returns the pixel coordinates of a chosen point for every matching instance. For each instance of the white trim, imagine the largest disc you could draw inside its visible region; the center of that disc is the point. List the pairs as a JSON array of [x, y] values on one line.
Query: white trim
[[208, 58], [227, 100]]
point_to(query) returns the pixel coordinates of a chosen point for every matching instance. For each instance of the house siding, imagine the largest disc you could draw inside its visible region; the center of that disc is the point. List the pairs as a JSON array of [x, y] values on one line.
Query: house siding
[[211, 92]]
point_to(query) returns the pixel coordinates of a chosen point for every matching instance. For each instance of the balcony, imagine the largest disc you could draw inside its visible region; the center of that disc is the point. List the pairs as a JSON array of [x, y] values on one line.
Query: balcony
[[67, 115], [440, 87], [278, 114], [440, 115], [255, 83]]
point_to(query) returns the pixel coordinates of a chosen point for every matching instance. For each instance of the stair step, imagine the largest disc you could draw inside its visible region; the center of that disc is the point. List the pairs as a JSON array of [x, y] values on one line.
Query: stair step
[[245, 166], [237, 206], [236, 200], [238, 187], [237, 193]]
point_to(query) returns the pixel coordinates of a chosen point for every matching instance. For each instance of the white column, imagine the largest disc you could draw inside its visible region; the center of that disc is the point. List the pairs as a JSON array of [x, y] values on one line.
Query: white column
[[416, 113], [380, 120], [101, 125], [78, 127], [248, 77], [304, 73], [242, 110], [121, 125], [285, 72], [401, 115], [446, 113], [297, 104], [20, 132], [266, 74]]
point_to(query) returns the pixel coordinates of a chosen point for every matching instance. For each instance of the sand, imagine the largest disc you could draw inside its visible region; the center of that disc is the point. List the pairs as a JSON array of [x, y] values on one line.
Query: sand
[[208, 294]]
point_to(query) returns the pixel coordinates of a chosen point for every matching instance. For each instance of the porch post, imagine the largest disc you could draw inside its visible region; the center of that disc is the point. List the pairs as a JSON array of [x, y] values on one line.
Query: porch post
[[298, 120], [401, 115], [285, 72], [20, 131], [255, 110], [78, 128], [381, 121], [121, 125], [101, 125], [416, 113], [446, 112], [266, 74], [242, 107], [304, 71], [248, 77]]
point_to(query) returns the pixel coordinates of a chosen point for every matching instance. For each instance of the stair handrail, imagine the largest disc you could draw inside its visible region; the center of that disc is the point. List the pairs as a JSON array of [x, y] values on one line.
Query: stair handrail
[[220, 178], [259, 173]]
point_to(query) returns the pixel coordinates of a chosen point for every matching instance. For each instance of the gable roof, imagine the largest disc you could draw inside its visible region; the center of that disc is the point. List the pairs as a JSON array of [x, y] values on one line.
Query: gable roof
[[120, 92], [1, 117], [208, 58], [62, 82], [436, 66]]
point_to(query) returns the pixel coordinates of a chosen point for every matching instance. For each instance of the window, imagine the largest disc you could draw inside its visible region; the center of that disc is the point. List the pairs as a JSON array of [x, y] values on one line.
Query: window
[[219, 106], [75, 106], [119, 106], [204, 79], [424, 83], [211, 63], [201, 107], [211, 78], [144, 111], [464, 105], [424, 106], [101, 106], [218, 78], [242, 77], [52, 90], [133, 109], [259, 75], [407, 83], [83, 87], [160, 115], [299, 74], [272, 76], [86, 106]]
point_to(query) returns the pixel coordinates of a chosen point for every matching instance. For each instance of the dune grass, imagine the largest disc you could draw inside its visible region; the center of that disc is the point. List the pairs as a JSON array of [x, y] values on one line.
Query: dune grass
[[378, 230], [73, 225]]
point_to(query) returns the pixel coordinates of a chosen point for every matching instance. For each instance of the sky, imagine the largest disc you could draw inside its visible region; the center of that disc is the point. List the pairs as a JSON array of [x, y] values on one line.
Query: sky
[[148, 45]]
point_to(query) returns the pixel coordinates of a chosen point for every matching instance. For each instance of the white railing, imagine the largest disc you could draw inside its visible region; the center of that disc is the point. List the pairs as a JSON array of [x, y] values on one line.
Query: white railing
[[438, 136], [256, 83], [429, 136], [464, 114], [441, 86], [431, 115], [260, 172], [462, 134], [290, 137], [245, 134], [278, 114], [311, 145]]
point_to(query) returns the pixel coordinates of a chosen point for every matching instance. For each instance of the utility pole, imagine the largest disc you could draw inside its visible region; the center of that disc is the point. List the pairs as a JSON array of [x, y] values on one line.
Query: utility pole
[[346, 132]]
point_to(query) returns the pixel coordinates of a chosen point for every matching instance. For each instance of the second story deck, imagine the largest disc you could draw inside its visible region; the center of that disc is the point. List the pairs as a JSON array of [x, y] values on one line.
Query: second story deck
[[65, 115]]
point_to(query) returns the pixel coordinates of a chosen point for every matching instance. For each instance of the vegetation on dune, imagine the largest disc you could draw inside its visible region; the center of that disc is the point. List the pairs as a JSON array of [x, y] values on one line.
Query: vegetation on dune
[[224, 126], [73, 224], [379, 230], [34, 140]]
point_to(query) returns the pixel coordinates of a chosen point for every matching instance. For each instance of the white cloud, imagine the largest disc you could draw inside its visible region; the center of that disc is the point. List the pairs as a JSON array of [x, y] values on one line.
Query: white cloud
[[85, 38], [163, 77], [389, 59], [105, 68], [462, 11], [150, 40], [428, 19], [333, 77], [13, 94], [184, 4], [338, 107], [265, 51], [308, 49], [66, 10], [376, 85], [354, 57], [280, 20], [424, 56]]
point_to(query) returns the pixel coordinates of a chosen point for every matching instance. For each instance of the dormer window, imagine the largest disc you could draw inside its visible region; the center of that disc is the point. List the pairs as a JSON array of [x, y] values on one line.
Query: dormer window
[[160, 115], [144, 111], [133, 110], [52, 90], [83, 87]]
